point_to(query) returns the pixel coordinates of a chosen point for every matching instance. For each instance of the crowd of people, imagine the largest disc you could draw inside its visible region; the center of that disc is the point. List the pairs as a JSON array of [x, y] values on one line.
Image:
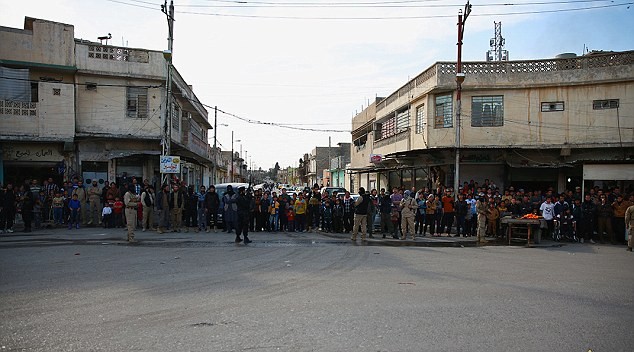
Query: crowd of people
[[474, 210]]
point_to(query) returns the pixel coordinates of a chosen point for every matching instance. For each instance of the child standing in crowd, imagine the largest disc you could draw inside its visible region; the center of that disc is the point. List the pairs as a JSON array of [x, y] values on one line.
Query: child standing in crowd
[[74, 205], [58, 209], [106, 214], [327, 216], [274, 210], [290, 217], [117, 210]]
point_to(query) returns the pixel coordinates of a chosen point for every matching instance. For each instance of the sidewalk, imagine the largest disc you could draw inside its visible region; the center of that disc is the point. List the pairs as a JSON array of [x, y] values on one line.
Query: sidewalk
[[100, 235]]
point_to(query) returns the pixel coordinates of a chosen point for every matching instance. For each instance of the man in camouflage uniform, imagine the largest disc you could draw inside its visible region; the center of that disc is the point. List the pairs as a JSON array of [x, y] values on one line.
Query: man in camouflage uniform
[[94, 199], [131, 201], [481, 210], [629, 223]]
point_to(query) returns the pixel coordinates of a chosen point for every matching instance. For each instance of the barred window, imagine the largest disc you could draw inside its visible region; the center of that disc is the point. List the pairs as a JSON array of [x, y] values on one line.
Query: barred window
[[487, 111], [402, 121], [444, 111], [420, 119], [137, 103], [553, 106], [605, 104], [176, 116], [385, 129]]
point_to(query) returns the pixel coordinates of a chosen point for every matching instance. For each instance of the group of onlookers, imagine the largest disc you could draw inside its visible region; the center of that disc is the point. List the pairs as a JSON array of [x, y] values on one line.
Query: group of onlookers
[[598, 215]]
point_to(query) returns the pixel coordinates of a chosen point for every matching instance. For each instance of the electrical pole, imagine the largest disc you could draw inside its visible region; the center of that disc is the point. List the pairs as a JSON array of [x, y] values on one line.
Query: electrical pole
[[459, 79], [231, 156], [167, 54], [215, 153]]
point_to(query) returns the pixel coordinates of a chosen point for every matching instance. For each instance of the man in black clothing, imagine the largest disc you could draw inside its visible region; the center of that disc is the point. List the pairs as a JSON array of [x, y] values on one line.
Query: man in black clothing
[[361, 214], [461, 209], [212, 203], [244, 207], [385, 208]]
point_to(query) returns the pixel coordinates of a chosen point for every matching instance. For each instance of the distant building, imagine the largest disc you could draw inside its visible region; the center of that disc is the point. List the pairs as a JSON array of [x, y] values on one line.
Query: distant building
[[318, 161]]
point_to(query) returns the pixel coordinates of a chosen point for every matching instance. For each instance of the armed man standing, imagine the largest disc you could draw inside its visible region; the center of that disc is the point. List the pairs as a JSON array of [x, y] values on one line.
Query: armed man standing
[[94, 200], [131, 201]]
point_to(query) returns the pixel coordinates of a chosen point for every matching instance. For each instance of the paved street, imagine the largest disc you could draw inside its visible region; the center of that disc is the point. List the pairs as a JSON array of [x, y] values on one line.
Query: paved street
[[86, 290]]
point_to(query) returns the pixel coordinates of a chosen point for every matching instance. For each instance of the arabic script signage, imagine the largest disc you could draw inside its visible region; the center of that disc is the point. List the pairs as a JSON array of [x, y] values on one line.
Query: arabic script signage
[[40, 152], [170, 164]]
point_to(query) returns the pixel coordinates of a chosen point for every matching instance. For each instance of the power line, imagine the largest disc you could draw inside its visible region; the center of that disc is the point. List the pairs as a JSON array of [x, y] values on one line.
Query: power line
[[375, 5]]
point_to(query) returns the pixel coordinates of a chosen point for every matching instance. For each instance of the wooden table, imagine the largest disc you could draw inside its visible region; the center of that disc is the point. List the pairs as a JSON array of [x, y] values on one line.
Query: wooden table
[[516, 223]]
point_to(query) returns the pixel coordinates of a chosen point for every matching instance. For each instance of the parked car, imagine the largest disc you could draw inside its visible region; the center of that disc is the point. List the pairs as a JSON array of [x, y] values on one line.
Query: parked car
[[221, 189], [330, 190]]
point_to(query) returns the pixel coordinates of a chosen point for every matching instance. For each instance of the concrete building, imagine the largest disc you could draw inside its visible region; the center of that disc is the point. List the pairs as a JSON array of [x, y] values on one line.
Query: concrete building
[[336, 174], [537, 124], [317, 164], [94, 111]]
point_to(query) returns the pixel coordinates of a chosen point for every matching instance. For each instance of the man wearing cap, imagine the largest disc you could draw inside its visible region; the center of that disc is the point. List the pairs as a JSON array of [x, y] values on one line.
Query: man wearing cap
[[131, 201]]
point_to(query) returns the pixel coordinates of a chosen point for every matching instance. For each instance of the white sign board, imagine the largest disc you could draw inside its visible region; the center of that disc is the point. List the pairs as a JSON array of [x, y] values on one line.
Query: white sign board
[[170, 164]]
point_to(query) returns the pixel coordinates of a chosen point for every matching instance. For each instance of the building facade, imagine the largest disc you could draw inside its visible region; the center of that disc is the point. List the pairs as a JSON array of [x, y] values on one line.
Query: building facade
[[94, 111], [536, 124]]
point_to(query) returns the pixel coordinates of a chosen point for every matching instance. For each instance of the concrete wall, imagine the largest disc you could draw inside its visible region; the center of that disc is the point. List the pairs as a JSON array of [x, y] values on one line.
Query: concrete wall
[[120, 61], [41, 41], [103, 111]]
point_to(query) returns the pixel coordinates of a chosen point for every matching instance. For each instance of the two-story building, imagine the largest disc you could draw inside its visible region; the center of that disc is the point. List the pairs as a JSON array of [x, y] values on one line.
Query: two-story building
[[534, 124], [92, 110]]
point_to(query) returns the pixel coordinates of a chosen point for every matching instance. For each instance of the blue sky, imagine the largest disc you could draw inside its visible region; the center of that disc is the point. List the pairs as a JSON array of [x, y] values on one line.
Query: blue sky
[[319, 72]]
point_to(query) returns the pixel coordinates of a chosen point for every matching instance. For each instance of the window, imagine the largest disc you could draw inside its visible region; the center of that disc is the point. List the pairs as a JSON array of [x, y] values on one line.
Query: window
[[176, 114], [605, 104], [487, 111], [196, 130], [444, 111], [387, 128], [137, 103], [420, 119], [402, 121], [553, 106], [360, 142], [34, 92], [57, 91]]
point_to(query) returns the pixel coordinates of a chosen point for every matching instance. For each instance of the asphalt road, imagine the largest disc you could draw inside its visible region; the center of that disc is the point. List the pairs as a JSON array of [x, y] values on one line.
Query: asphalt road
[[310, 293]]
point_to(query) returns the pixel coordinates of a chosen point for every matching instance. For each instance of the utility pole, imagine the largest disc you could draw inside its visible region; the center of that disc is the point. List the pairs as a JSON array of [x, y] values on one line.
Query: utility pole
[[459, 79], [215, 153], [167, 54], [231, 156]]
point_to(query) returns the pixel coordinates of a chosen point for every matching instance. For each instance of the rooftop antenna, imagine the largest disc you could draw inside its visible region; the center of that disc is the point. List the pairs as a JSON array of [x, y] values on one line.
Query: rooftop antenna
[[497, 52]]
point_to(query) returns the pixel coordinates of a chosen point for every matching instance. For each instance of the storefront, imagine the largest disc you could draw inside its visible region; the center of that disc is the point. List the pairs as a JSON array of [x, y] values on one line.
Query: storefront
[[607, 176], [28, 161]]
